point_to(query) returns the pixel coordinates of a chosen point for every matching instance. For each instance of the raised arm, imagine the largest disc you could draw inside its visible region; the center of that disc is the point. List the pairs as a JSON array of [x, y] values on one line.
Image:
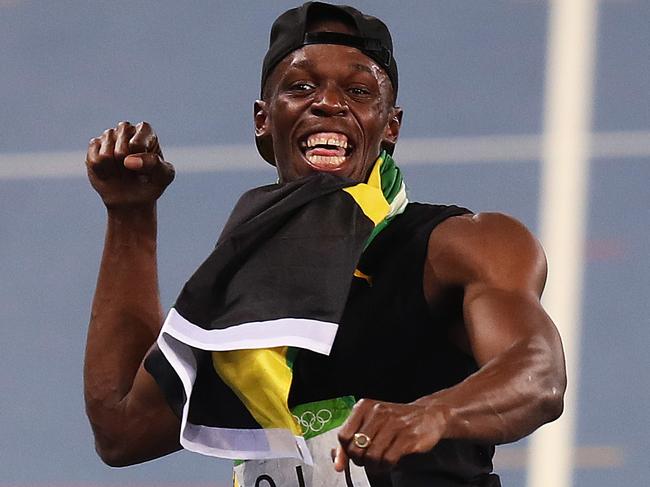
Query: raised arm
[[501, 270], [129, 416]]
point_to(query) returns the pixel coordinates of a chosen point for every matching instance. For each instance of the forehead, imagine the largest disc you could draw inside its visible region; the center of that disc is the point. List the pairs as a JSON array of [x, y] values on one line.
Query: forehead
[[330, 59]]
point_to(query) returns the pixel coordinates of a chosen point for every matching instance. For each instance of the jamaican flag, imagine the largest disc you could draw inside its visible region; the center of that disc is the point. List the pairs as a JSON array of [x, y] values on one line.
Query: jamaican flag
[[277, 281]]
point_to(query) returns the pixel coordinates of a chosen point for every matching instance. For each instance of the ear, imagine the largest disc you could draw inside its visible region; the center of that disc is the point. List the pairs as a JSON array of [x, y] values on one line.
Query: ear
[[392, 129], [263, 138], [260, 117]]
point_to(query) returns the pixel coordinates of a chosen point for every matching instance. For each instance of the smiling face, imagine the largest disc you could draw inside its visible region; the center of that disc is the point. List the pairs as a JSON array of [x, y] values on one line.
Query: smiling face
[[327, 108]]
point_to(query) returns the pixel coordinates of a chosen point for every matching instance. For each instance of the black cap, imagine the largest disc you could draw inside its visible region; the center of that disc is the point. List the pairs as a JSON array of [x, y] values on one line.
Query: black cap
[[289, 32]]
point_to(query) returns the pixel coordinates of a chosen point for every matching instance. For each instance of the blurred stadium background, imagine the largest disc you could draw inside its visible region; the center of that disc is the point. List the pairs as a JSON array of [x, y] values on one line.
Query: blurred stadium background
[[538, 109]]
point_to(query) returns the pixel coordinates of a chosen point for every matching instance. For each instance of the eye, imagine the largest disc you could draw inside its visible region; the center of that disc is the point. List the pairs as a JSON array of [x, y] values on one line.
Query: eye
[[359, 91], [302, 86]]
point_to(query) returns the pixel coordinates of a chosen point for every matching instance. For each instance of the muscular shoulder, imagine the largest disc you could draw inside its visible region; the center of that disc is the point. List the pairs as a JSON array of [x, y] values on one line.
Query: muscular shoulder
[[489, 248]]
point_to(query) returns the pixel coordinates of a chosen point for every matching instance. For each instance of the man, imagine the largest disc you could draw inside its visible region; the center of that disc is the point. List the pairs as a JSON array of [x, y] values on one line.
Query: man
[[485, 363]]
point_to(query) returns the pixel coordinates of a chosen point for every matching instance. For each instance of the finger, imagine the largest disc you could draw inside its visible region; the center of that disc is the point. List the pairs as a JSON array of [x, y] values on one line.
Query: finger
[[354, 422], [341, 460], [104, 162], [93, 151], [123, 135], [375, 457], [107, 146], [392, 456], [358, 454], [151, 167], [382, 423], [144, 140], [92, 158], [143, 162]]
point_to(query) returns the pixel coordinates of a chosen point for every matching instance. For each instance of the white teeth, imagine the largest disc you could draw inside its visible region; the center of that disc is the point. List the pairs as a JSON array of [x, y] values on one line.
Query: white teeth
[[326, 160], [337, 140]]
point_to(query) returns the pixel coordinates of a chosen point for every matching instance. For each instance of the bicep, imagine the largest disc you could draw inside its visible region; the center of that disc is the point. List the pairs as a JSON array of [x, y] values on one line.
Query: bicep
[[502, 270], [497, 320]]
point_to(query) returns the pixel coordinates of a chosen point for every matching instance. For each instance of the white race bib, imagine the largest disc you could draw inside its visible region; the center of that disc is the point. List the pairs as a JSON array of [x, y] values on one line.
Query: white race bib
[[320, 422]]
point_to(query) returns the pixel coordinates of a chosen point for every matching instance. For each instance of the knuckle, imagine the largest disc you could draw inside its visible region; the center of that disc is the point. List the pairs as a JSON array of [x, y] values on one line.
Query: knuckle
[[362, 403], [379, 407], [382, 410], [136, 145], [151, 142], [419, 446]]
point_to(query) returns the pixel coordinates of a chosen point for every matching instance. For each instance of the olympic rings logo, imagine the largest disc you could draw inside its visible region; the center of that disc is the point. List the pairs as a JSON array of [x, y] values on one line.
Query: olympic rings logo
[[315, 422]]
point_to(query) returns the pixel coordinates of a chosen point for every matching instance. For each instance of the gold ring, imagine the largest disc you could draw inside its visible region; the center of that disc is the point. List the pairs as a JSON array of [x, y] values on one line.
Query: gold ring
[[361, 440]]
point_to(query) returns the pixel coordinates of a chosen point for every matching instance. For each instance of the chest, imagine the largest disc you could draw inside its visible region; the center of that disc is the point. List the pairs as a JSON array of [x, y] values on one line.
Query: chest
[[389, 346]]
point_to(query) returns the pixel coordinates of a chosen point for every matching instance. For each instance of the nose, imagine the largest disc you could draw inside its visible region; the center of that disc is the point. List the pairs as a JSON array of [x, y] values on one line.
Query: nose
[[330, 102]]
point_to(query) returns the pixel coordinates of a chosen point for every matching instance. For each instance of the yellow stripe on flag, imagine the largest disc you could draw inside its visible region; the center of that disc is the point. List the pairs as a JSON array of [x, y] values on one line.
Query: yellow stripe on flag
[[261, 379], [369, 196], [371, 200]]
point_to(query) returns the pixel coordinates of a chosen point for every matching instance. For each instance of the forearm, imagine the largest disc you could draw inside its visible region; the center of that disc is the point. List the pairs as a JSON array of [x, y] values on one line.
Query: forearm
[[507, 399], [127, 410], [126, 314]]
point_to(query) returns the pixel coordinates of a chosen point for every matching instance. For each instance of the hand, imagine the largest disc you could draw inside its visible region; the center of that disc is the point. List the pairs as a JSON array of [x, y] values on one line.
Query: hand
[[126, 167], [395, 431]]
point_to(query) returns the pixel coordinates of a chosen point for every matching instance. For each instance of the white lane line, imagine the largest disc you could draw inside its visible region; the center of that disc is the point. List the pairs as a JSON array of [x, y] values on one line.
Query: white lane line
[[563, 213], [434, 150]]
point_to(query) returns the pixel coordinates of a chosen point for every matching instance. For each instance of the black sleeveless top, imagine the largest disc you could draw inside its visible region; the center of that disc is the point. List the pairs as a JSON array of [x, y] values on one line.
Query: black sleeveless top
[[392, 347]]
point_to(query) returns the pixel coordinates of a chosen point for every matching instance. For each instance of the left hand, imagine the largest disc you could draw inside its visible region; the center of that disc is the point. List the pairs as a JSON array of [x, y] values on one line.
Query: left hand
[[395, 431]]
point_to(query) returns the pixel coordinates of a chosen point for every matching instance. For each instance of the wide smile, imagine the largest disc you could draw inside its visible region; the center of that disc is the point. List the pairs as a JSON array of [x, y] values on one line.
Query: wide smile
[[326, 151]]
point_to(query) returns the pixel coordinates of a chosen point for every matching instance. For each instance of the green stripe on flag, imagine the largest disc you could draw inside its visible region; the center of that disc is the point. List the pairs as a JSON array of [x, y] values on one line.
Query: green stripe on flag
[[316, 418]]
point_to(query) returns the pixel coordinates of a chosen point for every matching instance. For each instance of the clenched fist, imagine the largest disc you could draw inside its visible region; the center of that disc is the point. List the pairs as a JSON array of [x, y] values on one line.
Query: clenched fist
[[126, 166]]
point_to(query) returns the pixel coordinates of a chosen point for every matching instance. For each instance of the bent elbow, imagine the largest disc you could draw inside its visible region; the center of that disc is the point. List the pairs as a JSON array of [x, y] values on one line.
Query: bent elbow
[[112, 447], [552, 404], [550, 399], [113, 456], [550, 387]]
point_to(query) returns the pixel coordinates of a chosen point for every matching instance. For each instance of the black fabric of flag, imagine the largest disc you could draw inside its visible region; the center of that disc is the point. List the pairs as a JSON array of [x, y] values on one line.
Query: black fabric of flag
[[278, 278]]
